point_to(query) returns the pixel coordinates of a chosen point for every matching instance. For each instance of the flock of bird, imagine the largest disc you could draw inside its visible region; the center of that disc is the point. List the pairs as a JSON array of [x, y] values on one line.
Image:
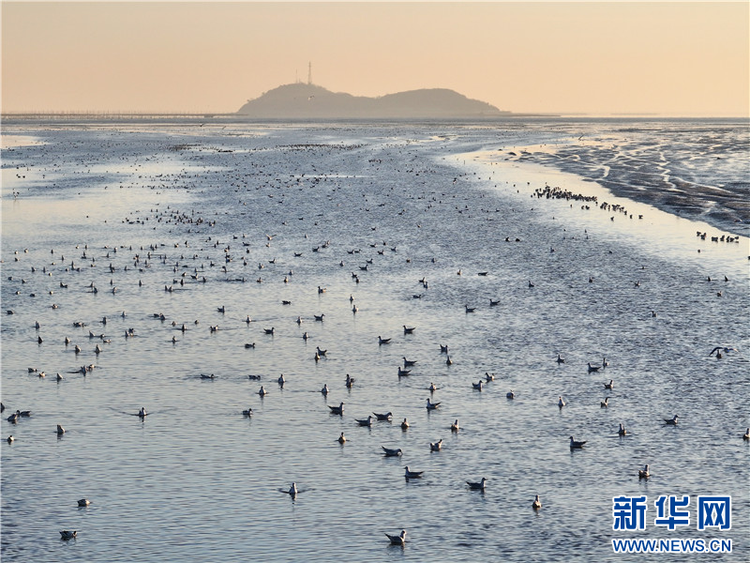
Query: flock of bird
[[204, 259]]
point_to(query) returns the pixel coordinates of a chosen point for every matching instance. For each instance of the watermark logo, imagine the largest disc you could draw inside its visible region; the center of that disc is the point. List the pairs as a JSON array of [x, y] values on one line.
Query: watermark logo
[[672, 511], [629, 513], [715, 512], [671, 505]]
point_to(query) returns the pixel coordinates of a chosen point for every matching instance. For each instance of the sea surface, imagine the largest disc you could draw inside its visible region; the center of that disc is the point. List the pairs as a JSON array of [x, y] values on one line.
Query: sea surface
[[173, 245]]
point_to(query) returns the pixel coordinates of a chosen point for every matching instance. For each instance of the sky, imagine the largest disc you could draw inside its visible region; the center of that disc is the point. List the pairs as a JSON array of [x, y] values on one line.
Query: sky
[[596, 58]]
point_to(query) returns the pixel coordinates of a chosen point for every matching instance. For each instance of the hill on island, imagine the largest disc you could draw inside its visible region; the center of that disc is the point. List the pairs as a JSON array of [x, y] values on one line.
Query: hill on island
[[308, 101]]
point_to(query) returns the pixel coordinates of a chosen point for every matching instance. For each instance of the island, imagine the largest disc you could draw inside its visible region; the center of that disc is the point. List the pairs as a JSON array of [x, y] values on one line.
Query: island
[[309, 101]]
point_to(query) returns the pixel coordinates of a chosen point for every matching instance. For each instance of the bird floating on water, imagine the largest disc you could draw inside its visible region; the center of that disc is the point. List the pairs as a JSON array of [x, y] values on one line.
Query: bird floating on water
[[480, 486], [409, 474], [397, 540], [560, 402], [593, 368], [609, 385], [431, 406], [405, 425], [142, 413], [385, 416], [455, 427], [574, 444], [622, 431], [337, 410], [671, 421], [68, 534], [510, 394], [364, 421], [605, 402], [436, 446], [644, 473], [341, 439], [537, 504], [391, 452], [84, 502], [60, 430]]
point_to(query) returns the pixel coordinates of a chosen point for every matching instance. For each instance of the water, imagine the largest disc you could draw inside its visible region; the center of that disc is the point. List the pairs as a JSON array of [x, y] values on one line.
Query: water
[[197, 480]]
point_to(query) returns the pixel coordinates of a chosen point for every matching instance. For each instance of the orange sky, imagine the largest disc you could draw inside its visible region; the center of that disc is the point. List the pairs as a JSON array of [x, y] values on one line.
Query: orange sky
[[676, 58]]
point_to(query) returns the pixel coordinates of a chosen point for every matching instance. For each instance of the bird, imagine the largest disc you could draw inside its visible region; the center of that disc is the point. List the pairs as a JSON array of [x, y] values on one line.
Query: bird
[[431, 406], [575, 444], [349, 381], [84, 502], [510, 395], [409, 329], [364, 421], [448, 361], [337, 410], [324, 390], [560, 359], [281, 380], [644, 473], [719, 349], [593, 368], [142, 413], [432, 387], [292, 492], [455, 427], [622, 431], [478, 385], [60, 430], [387, 416], [409, 474], [469, 309], [405, 425], [489, 376], [480, 486], [605, 403], [671, 421], [409, 363], [537, 504], [390, 452], [68, 534], [262, 392], [382, 340], [403, 372], [341, 439], [436, 446], [560, 402], [745, 436], [397, 540], [10, 439], [248, 412], [269, 330], [609, 385]]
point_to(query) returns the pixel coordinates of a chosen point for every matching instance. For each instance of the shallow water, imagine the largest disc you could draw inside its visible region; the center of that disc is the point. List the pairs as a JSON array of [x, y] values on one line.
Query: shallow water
[[197, 480]]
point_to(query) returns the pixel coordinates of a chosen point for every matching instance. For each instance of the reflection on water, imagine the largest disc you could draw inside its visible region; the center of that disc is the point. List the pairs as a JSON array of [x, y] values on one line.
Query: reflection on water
[[365, 212]]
